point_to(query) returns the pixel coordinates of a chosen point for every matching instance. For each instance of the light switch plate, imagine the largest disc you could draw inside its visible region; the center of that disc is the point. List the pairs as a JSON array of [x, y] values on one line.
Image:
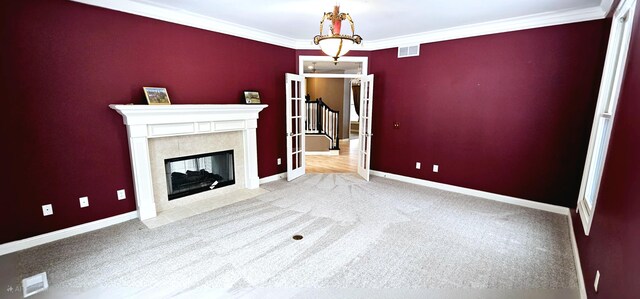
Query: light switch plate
[[121, 194]]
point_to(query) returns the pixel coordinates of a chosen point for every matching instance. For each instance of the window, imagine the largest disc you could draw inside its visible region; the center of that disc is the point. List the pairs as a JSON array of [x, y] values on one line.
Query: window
[[605, 110]]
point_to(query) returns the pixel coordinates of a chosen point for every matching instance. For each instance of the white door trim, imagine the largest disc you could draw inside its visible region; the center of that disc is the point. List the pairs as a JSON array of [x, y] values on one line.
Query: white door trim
[[363, 59]]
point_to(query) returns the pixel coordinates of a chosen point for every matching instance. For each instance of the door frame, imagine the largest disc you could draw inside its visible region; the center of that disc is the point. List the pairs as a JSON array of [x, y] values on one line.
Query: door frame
[[365, 71], [363, 59]]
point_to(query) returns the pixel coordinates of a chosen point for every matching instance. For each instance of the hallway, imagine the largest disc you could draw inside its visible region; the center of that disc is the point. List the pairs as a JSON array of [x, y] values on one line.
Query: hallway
[[346, 161]]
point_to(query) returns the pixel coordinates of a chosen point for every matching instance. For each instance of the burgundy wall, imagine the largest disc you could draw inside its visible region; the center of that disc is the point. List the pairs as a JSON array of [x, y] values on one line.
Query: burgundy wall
[[507, 113], [62, 63], [613, 244]]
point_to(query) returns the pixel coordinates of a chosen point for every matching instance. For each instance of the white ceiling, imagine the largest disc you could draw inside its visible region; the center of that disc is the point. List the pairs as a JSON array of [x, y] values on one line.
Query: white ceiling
[[374, 19], [293, 23]]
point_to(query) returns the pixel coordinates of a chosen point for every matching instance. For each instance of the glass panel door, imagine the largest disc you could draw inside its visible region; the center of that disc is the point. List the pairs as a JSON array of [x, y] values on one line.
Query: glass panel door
[[295, 91], [366, 106]]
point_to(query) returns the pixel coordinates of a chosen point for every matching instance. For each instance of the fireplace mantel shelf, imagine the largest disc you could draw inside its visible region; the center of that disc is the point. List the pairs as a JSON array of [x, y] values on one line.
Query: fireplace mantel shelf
[[163, 114], [144, 122]]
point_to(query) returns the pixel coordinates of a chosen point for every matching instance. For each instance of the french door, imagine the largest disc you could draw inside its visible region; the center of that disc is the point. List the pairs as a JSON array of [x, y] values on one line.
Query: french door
[[366, 105], [295, 89]]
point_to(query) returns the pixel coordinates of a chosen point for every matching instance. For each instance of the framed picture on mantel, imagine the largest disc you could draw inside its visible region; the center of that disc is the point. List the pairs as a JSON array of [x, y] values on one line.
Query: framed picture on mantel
[[156, 95], [251, 97]]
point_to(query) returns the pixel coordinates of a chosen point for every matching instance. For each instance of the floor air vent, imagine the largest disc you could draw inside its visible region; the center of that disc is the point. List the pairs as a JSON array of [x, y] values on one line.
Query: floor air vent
[[409, 51], [34, 284]]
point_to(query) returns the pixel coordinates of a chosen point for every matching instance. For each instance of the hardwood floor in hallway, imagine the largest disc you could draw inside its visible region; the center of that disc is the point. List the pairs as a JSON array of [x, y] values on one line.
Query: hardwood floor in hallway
[[346, 161]]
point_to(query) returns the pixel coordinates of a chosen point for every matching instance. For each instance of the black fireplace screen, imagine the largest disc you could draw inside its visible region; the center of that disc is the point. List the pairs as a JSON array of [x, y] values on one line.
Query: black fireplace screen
[[199, 173]]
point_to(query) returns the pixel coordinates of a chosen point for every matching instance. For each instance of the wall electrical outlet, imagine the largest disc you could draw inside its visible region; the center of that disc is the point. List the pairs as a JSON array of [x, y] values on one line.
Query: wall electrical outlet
[[595, 283], [279, 161], [47, 210], [435, 167], [121, 194], [418, 165], [84, 202]]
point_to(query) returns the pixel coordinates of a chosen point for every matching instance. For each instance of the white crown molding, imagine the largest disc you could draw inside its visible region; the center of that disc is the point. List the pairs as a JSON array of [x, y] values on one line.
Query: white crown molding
[[606, 6], [499, 26], [505, 25], [193, 20], [14, 246]]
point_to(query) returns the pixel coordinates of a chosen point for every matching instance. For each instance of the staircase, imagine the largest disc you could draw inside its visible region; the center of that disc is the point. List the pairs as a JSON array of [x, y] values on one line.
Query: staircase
[[322, 120]]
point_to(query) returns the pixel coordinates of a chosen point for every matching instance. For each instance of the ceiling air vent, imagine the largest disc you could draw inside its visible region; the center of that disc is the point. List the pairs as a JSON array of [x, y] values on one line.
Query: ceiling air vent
[[409, 51]]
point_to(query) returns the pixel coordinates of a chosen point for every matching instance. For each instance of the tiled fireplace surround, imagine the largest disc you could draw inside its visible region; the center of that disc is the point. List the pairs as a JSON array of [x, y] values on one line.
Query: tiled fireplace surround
[[157, 133]]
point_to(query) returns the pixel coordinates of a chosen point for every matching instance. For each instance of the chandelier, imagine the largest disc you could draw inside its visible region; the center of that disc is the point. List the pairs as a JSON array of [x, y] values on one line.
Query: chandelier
[[336, 44]]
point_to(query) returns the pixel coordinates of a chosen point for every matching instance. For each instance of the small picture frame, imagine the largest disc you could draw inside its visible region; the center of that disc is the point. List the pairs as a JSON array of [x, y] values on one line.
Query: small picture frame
[[251, 97], [156, 95]]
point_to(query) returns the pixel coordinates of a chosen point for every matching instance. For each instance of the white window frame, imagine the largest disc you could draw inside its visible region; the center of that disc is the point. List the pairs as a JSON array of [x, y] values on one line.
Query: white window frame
[[612, 77]]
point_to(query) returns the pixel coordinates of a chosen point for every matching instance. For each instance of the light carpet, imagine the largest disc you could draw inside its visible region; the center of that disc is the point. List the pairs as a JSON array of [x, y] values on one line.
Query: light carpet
[[358, 235]]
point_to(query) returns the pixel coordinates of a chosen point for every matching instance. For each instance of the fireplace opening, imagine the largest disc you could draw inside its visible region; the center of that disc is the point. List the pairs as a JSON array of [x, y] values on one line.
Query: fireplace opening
[[198, 173]]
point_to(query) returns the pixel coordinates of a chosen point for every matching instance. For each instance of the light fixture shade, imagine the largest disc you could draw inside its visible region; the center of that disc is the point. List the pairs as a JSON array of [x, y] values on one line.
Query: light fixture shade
[[336, 44]]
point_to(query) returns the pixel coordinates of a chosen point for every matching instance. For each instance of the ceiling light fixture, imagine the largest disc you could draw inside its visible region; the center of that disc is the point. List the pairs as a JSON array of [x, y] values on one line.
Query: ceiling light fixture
[[336, 44], [311, 68]]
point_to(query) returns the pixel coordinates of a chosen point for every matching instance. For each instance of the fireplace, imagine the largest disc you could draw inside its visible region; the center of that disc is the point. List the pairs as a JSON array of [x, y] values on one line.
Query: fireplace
[[198, 173], [163, 132]]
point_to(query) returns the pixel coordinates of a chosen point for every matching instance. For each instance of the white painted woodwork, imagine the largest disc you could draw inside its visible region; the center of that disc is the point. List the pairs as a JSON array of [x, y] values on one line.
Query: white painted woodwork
[[414, 21], [38, 240], [365, 135], [145, 121], [349, 71], [295, 89], [610, 87]]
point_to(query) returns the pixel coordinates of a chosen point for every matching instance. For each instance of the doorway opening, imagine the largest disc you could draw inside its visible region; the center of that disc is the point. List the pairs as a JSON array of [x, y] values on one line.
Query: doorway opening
[[332, 120]]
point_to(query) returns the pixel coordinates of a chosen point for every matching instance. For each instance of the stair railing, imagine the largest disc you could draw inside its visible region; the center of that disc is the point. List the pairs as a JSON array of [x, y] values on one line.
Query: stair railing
[[321, 119]]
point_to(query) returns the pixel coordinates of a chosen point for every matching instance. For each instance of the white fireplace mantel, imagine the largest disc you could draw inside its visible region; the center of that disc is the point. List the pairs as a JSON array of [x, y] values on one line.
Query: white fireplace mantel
[[144, 122]]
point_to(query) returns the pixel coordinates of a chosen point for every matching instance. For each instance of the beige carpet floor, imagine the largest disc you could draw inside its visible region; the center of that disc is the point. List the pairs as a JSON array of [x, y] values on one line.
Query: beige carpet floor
[[361, 239]]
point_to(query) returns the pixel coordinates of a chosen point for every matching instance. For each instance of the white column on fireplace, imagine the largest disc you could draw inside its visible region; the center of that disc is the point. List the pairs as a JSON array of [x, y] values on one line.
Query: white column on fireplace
[[144, 122]]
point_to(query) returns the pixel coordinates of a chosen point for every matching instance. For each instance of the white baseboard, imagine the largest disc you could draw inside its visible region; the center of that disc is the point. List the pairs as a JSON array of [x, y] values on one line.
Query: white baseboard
[[576, 256], [477, 193], [323, 153], [14, 246], [505, 199], [273, 178], [87, 227]]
